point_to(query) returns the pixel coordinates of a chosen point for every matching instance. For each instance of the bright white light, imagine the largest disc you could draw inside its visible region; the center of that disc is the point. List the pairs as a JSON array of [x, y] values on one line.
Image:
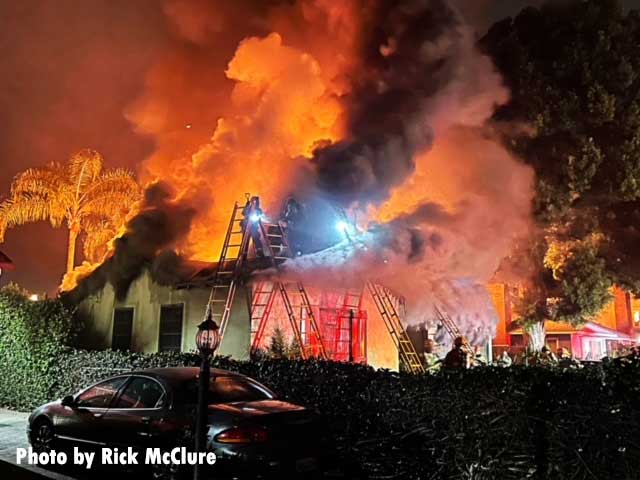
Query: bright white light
[[255, 217], [33, 297], [342, 226]]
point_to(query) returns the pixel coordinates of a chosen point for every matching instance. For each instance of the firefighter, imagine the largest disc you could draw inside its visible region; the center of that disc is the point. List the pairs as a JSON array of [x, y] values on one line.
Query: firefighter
[[252, 214], [457, 357]]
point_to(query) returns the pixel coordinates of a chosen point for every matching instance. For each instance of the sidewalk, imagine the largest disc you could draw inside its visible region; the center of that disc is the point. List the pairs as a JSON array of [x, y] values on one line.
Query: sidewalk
[[13, 431], [13, 434]]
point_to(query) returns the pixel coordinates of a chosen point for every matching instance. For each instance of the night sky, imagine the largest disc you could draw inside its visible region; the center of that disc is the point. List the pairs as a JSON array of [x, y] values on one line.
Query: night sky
[[71, 68]]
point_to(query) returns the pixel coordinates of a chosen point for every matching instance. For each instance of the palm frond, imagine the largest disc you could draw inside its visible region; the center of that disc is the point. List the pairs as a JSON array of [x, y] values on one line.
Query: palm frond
[[28, 208], [40, 181], [114, 191], [85, 167]]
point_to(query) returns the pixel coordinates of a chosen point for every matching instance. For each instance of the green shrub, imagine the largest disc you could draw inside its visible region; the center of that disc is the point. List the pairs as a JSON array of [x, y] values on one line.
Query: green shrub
[[486, 423], [33, 338], [508, 423], [80, 368]]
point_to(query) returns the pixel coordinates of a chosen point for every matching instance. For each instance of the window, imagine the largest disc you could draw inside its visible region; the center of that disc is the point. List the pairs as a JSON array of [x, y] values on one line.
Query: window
[[170, 328], [100, 395], [122, 328], [141, 393]]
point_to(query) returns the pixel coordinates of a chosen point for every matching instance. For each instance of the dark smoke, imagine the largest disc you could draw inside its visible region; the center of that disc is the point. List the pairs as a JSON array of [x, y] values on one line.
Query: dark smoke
[[407, 60], [147, 242]]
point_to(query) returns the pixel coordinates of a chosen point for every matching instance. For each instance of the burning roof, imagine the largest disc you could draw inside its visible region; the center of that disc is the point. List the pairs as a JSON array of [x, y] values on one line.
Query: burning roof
[[379, 107]]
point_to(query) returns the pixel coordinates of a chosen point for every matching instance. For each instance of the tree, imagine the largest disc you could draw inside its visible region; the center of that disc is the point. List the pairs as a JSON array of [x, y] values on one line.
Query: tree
[[81, 195], [278, 344], [574, 75]]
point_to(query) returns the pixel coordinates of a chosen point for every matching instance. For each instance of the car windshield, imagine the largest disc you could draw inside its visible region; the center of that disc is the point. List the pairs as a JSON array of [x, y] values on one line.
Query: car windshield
[[227, 389]]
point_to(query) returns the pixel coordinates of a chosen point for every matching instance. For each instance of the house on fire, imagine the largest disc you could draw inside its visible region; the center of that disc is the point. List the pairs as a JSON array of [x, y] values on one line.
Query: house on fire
[[153, 317], [157, 312]]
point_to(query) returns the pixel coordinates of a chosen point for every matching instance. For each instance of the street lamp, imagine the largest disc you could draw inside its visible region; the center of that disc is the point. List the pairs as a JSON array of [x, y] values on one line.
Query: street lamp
[[207, 341]]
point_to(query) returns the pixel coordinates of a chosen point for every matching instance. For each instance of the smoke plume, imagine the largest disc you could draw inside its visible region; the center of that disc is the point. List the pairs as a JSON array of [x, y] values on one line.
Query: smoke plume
[[381, 107], [148, 241]]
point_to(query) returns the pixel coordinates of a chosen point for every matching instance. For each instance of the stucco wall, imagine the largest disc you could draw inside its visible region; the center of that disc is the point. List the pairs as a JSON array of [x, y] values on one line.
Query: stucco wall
[[146, 298], [498, 292], [381, 351]]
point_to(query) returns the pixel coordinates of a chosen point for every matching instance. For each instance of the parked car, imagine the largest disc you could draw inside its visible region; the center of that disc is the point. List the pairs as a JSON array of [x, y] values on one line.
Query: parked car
[[250, 430]]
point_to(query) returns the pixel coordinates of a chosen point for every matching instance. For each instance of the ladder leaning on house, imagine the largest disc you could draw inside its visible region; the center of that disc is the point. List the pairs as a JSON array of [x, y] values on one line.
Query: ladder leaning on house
[[225, 279], [278, 251], [385, 304], [452, 329]]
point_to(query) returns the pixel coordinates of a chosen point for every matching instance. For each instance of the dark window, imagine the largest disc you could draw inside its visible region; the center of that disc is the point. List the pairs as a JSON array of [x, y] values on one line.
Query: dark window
[[229, 389], [141, 393], [100, 395], [122, 328], [170, 328]]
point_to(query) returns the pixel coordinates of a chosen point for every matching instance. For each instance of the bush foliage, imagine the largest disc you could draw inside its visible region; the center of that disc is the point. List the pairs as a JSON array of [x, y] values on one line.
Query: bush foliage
[[33, 338], [485, 423]]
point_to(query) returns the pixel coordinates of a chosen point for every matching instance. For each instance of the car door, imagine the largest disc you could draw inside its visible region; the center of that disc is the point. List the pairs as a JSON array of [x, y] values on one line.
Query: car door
[[84, 421], [138, 415]]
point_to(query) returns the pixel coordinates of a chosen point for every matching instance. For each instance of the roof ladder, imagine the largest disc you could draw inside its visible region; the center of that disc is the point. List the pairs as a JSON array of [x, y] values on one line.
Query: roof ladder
[[452, 329], [384, 302], [225, 279]]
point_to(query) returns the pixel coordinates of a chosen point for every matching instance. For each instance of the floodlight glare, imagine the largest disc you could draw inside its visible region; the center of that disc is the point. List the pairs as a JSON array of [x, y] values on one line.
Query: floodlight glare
[[342, 226], [255, 217]]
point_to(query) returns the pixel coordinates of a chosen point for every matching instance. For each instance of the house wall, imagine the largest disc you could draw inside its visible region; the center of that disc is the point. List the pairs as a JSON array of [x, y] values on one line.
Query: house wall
[[624, 315], [498, 292], [607, 316], [381, 351], [146, 298]]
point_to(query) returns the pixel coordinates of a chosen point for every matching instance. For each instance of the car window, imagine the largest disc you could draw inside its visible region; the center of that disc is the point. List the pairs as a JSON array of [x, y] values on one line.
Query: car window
[[100, 395], [141, 393], [227, 389]]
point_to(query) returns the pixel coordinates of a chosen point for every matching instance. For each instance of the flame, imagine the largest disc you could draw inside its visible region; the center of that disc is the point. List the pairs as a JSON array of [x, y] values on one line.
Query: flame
[[282, 107], [240, 100]]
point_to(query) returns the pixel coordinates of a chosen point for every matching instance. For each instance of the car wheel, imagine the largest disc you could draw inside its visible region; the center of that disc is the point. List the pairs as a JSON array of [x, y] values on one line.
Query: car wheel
[[42, 436]]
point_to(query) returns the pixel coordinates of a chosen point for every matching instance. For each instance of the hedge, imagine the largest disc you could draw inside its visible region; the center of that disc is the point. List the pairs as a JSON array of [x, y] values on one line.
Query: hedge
[[508, 423], [33, 338], [487, 423]]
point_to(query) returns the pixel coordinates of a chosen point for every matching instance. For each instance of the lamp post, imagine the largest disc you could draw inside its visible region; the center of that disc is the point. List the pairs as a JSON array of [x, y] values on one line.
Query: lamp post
[[207, 341]]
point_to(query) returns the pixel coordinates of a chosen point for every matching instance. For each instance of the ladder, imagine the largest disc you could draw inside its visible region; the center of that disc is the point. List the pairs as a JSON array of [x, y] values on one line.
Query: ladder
[[261, 304], [385, 304], [224, 282], [278, 250], [343, 333], [452, 329]]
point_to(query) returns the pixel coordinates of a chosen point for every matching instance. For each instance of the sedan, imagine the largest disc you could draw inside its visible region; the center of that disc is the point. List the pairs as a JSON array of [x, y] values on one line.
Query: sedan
[[249, 429]]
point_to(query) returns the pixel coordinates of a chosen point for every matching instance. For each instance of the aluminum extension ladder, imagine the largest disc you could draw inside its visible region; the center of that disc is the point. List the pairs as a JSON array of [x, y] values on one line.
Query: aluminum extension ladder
[[278, 250], [384, 302]]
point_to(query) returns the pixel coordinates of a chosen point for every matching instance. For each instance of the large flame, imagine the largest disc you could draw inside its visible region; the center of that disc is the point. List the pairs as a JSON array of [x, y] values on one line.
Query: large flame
[[273, 99]]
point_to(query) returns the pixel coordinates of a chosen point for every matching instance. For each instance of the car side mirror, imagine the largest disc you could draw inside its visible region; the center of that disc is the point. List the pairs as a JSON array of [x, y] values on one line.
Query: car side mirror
[[68, 401]]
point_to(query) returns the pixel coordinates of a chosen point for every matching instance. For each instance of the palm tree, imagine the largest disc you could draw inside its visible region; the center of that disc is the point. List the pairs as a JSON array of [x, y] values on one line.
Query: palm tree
[[80, 194]]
